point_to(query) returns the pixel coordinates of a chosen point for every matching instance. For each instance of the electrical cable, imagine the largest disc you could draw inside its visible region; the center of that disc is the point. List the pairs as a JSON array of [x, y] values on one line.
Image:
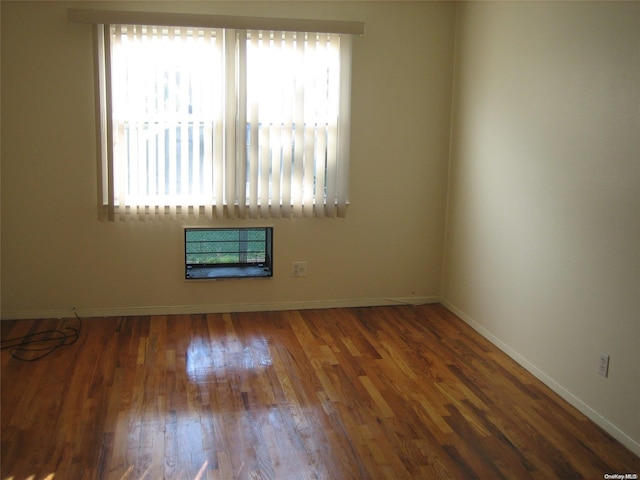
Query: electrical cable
[[44, 343]]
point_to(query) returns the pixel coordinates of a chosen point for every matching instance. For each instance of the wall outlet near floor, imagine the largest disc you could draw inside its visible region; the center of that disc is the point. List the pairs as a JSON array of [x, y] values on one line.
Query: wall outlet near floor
[[603, 366], [298, 269]]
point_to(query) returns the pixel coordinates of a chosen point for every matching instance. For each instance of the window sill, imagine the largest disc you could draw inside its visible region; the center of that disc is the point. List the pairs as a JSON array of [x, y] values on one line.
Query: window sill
[[216, 273]]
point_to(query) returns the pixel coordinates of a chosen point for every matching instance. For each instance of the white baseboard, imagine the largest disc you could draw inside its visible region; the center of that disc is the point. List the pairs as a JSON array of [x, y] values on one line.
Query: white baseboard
[[589, 412], [90, 312]]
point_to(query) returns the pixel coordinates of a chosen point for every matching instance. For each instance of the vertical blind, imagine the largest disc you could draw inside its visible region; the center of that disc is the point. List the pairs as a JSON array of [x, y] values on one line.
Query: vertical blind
[[223, 122]]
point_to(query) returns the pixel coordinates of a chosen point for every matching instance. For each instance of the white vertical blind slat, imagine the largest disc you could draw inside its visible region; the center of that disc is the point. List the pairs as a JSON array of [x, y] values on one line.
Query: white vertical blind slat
[[320, 76], [151, 135], [299, 126], [182, 114], [218, 106], [102, 39], [253, 101], [309, 126], [288, 89], [172, 124], [196, 106], [120, 139], [333, 99], [157, 111], [344, 122], [265, 119], [230, 123], [208, 114], [142, 164], [265, 154], [277, 122], [241, 127]]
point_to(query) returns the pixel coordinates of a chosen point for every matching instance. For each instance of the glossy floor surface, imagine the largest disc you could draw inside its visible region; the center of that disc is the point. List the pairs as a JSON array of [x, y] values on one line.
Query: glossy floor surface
[[379, 393]]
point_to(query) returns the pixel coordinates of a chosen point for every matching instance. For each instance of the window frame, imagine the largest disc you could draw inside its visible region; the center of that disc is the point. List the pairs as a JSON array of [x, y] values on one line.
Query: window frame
[[107, 205]]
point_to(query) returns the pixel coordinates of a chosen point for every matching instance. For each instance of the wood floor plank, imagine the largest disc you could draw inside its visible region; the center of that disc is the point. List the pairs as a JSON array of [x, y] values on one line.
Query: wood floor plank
[[357, 393]]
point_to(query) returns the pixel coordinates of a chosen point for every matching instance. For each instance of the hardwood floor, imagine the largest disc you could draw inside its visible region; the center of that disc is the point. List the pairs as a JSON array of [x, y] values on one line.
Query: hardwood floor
[[384, 392]]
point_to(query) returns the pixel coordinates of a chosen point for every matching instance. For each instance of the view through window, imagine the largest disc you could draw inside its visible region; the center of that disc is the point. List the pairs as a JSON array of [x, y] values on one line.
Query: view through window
[[228, 252]]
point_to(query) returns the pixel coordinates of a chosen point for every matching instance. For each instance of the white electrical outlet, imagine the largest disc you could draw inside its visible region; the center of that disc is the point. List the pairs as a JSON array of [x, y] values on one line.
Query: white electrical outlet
[[298, 269], [603, 366]]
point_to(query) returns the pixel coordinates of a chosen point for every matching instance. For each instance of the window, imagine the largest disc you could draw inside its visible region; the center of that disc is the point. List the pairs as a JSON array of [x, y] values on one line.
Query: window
[[235, 122], [228, 252]]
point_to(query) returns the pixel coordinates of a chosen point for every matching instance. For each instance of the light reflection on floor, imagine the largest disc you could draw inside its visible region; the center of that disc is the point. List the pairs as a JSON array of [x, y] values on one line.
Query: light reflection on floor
[[206, 358]]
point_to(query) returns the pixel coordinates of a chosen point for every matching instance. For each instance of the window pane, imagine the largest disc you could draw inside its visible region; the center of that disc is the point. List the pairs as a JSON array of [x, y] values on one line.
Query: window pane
[[178, 96], [166, 88], [220, 249]]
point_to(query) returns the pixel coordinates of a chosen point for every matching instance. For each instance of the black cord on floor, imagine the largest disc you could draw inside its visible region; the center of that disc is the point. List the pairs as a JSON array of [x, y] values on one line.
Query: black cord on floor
[[38, 345]]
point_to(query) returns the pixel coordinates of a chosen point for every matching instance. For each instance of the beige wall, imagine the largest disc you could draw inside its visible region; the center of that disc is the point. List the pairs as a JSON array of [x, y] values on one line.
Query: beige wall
[[56, 254], [543, 237]]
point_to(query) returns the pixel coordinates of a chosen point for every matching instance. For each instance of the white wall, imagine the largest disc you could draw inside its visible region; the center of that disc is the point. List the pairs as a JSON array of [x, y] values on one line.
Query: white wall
[[543, 236], [56, 254]]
